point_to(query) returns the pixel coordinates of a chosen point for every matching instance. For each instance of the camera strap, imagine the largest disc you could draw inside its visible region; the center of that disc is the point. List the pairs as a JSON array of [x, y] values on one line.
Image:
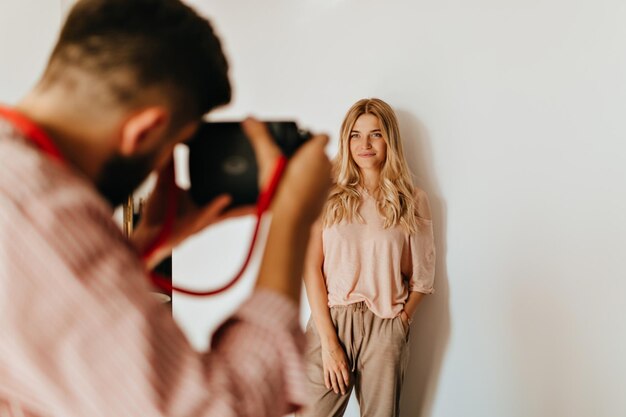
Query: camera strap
[[263, 203], [32, 132], [40, 138]]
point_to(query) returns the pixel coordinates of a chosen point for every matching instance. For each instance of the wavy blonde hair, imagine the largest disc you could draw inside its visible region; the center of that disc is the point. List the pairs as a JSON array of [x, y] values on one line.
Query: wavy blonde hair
[[395, 193]]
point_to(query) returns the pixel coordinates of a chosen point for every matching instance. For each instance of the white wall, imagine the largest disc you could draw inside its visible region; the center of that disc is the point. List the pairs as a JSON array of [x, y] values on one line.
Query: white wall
[[28, 30], [513, 115]]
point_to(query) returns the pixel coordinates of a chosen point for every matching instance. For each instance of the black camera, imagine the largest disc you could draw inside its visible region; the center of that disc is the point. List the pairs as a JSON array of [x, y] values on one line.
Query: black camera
[[222, 160]]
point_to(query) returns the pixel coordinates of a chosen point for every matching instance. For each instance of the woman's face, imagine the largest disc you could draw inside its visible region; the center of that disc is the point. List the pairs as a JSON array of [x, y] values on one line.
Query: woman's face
[[367, 145]]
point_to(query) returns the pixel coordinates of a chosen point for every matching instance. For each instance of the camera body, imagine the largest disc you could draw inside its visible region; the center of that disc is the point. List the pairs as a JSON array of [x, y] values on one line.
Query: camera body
[[222, 160]]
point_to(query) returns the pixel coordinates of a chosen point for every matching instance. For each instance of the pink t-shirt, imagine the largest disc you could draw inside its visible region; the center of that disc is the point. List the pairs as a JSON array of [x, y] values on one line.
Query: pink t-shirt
[[365, 262]]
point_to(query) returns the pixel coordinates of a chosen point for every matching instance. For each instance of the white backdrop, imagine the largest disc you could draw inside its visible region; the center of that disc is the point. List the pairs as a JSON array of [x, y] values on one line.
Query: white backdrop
[[512, 116], [512, 113]]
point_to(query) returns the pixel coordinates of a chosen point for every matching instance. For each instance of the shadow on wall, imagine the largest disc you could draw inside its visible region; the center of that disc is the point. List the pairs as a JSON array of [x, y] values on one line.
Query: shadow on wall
[[430, 330]]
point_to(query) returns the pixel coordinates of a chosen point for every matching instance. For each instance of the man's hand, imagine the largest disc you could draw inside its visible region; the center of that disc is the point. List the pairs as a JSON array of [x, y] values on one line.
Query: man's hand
[[304, 187], [299, 199], [190, 219], [302, 193]]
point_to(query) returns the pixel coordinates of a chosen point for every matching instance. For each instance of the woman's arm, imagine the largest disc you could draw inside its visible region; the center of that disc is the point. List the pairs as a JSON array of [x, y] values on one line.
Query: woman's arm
[[410, 306], [335, 362], [426, 247], [316, 287]]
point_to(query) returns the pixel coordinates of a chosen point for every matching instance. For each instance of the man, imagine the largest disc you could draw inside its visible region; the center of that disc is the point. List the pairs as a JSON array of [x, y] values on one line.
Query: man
[[80, 333]]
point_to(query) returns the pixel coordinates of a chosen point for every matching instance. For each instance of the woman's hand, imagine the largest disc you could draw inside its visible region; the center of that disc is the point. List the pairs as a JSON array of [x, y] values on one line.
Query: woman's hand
[[336, 369], [404, 317]]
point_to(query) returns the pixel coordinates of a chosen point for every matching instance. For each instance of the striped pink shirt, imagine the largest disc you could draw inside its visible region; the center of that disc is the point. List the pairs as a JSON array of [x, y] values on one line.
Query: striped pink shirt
[[80, 335]]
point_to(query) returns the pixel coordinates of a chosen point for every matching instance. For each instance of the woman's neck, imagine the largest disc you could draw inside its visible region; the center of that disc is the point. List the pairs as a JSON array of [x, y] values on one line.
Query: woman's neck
[[370, 180]]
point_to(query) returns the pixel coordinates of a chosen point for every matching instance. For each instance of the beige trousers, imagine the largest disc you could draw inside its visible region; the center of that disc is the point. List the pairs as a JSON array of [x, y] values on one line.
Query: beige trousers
[[377, 353]]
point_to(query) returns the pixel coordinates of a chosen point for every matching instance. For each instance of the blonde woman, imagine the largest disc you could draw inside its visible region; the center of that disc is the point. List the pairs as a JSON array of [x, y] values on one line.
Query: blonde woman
[[371, 259]]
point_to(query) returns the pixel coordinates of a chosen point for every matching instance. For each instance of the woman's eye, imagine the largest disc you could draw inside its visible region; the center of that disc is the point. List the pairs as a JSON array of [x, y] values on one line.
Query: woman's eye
[[377, 135], [354, 136]]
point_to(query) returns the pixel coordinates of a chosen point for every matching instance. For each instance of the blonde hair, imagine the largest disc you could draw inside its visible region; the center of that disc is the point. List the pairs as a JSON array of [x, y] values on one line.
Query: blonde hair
[[395, 193]]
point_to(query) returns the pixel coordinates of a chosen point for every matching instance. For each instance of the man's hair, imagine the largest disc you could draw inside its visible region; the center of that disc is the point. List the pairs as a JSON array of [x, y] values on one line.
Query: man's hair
[[134, 45]]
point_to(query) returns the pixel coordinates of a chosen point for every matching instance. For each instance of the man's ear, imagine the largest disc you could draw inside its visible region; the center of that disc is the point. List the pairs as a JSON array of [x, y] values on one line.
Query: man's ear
[[143, 130]]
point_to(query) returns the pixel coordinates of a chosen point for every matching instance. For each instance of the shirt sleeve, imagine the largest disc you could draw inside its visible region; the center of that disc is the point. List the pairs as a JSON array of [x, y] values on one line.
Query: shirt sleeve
[[422, 253], [81, 335], [422, 248]]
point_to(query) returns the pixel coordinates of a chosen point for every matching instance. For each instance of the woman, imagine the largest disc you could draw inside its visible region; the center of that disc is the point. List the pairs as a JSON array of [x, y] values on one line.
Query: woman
[[371, 260]]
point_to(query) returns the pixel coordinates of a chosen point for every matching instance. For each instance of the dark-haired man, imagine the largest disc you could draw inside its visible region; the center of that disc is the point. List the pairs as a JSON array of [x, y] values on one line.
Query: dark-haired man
[[80, 334]]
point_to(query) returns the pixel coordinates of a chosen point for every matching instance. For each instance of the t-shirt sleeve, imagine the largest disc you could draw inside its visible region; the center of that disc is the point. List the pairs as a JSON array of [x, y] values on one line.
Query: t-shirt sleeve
[[422, 248]]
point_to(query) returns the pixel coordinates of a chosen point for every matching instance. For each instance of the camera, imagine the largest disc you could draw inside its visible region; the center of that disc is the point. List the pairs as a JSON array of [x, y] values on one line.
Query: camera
[[222, 160]]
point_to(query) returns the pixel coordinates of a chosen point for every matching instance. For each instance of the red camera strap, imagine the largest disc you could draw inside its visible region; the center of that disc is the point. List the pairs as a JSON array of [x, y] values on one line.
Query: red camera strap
[[32, 132], [41, 139], [263, 203]]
